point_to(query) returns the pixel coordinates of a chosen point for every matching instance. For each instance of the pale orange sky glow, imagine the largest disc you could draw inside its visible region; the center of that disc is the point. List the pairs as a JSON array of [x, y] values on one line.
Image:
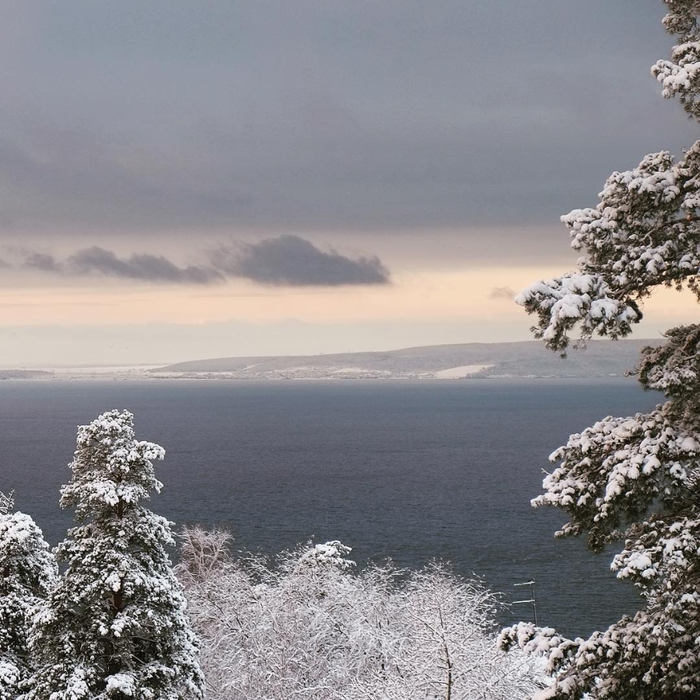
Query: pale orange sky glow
[[240, 318], [413, 295]]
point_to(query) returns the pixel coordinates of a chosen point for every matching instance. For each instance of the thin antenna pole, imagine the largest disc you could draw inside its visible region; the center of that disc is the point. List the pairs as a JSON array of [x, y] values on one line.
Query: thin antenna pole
[[532, 599], [534, 603]]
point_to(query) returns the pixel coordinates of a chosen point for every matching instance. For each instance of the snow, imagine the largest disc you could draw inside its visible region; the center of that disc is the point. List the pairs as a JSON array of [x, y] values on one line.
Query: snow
[[319, 628], [121, 682], [28, 574], [116, 554], [634, 480], [461, 372]]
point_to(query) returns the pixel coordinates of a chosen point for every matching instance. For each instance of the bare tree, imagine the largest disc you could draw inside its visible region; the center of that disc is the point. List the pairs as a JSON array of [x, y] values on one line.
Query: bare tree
[[309, 626]]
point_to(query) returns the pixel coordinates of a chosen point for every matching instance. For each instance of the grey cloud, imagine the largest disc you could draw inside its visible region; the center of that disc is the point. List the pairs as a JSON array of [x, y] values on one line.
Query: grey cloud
[[326, 116], [43, 262], [152, 268], [282, 261], [502, 293], [294, 261], [144, 267]]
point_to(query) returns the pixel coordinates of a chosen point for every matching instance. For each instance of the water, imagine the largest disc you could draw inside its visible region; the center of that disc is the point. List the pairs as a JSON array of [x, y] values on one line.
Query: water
[[407, 470]]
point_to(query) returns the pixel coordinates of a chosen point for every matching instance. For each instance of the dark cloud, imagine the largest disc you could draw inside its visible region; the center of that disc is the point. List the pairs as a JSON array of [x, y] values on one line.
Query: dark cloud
[[282, 261], [144, 267], [294, 261], [151, 268], [43, 262], [313, 115], [502, 293]]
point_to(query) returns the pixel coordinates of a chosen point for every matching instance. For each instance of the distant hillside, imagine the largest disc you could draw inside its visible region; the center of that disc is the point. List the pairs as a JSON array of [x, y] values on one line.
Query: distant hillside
[[24, 374], [479, 360]]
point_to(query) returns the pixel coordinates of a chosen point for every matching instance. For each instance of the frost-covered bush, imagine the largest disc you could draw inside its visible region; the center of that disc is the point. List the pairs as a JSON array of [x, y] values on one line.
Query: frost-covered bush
[[27, 575], [312, 627], [635, 479], [115, 624]]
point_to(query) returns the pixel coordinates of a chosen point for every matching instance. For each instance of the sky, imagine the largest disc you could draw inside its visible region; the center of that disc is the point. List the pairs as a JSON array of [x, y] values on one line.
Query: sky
[[182, 180]]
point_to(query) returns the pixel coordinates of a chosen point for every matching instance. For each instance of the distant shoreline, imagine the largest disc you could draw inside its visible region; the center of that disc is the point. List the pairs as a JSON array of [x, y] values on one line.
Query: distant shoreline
[[210, 377], [516, 360]]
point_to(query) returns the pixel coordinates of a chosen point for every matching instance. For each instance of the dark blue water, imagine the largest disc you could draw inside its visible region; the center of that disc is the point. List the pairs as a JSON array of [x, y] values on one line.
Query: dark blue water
[[407, 470]]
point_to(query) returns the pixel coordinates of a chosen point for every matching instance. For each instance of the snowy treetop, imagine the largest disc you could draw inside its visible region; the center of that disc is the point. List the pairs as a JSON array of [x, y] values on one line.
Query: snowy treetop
[[330, 554], [110, 467]]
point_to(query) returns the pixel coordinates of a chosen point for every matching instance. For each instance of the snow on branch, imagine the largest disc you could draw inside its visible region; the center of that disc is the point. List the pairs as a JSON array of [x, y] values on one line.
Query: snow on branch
[[28, 575], [575, 299], [331, 554], [613, 471], [110, 467], [674, 368], [647, 656], [115, 623], [680, 77], [644, 232], [663, 546], [7, 502], [635, 478], [315, 627]]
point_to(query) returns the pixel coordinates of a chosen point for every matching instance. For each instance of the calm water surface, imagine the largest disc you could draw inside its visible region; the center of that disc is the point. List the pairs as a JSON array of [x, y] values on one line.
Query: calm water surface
[[407, 470]]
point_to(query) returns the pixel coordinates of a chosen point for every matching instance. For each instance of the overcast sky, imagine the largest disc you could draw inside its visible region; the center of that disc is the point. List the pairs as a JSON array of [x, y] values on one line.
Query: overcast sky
[[192, 179]]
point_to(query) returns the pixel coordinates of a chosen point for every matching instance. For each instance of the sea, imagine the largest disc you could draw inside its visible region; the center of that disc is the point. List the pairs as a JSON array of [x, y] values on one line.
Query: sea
[[407, 470]]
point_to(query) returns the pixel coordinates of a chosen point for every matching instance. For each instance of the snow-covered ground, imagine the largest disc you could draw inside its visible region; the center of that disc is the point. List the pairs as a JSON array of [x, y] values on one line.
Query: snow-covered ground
[[111, 369], [461, 372]]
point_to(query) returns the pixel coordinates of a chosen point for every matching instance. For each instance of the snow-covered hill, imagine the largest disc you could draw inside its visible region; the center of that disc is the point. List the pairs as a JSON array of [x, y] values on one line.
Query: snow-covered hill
[[469, 360]]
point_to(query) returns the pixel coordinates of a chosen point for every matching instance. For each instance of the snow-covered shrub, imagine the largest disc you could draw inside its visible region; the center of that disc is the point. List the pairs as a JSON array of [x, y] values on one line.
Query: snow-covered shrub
[[115, 624], [27, 574], [635, 479], [310, 626]]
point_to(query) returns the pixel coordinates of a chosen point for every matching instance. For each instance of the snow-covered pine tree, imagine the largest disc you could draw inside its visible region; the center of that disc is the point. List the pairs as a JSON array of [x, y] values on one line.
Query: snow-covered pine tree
[[115, 625], [635, 479], [27, 574]]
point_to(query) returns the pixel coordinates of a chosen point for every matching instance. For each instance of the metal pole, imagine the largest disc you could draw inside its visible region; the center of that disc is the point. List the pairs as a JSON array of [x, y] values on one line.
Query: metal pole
[[532, 600]]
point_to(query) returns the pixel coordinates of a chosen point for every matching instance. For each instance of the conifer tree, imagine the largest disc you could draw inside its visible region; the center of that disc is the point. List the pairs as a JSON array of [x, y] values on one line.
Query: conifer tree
[[27, 574], [635, 479], [115, 625]]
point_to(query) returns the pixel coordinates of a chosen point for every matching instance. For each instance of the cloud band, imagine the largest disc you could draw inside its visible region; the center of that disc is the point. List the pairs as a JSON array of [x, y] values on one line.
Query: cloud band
[[280, 261]]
